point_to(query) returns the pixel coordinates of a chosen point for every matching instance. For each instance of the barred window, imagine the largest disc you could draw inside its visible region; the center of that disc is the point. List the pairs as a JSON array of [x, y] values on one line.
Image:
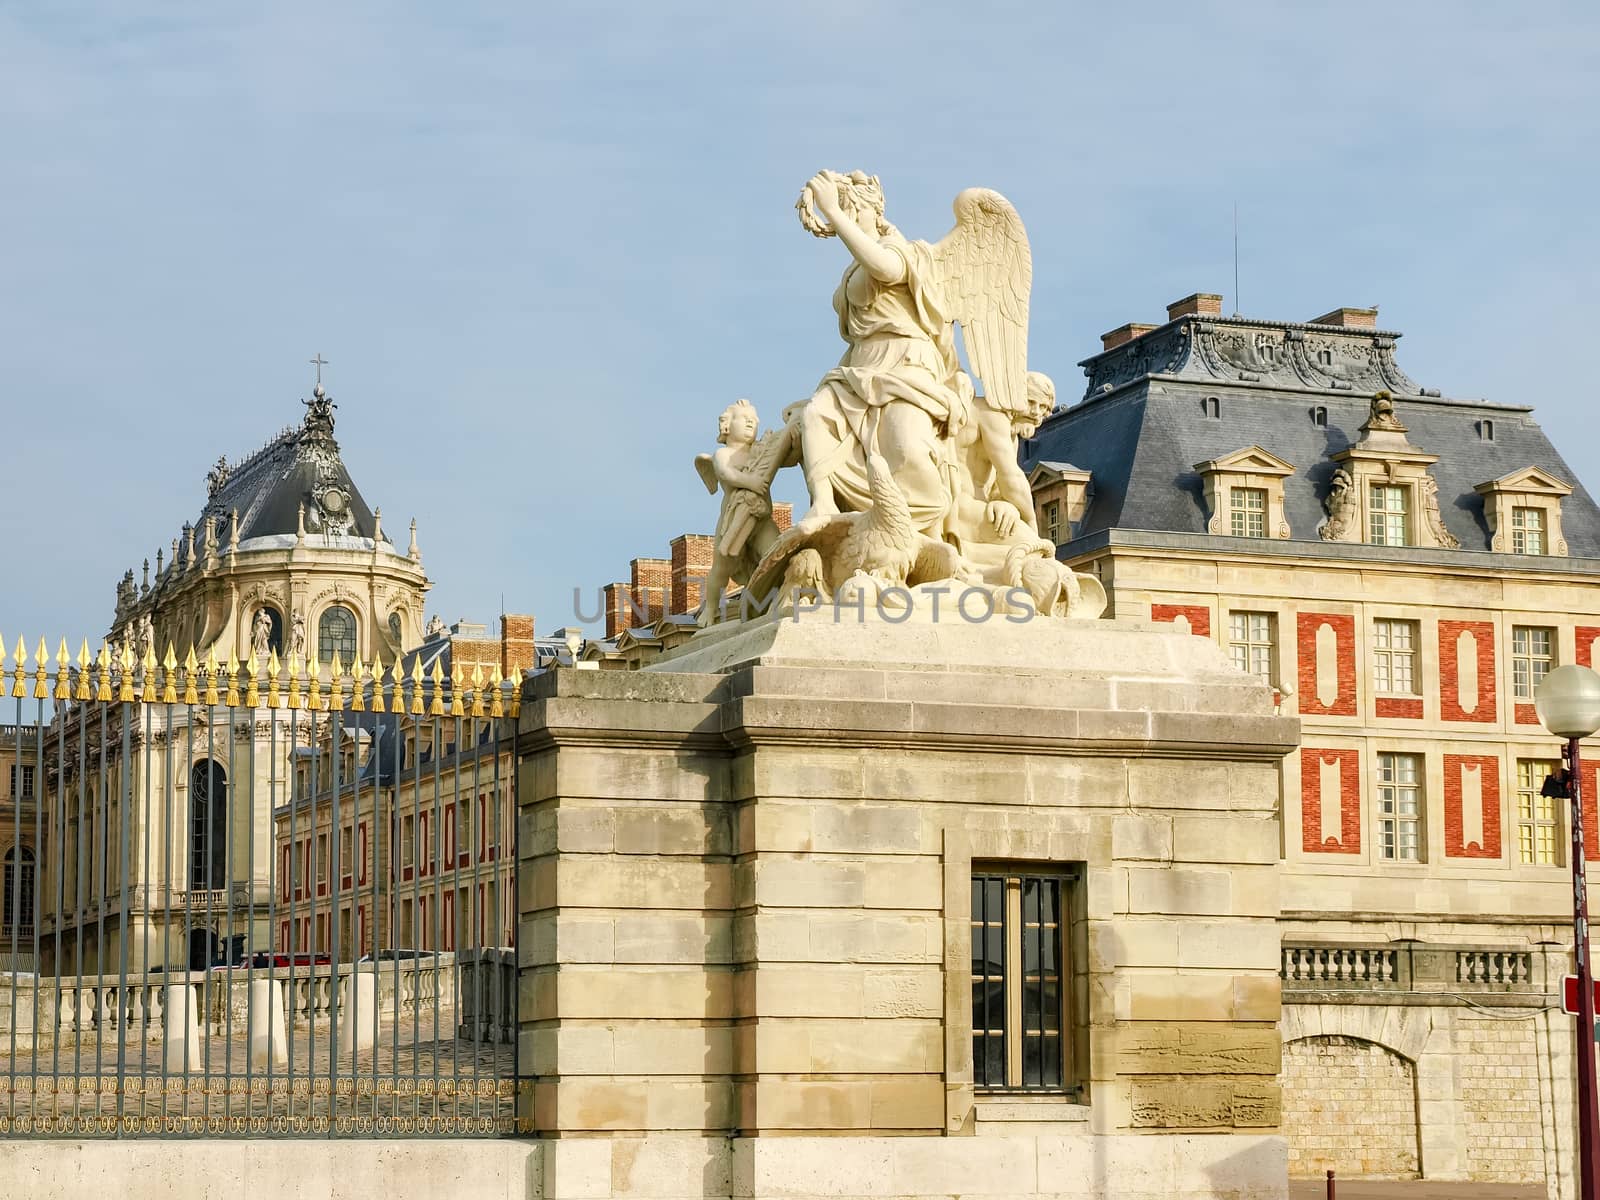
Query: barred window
[[1527, 530], [1020, 1034], [336, 634], [1250, 643], [1394, 656], [1538, 818], [1400, 807], [1532, 656], [1387, 510], [1248, 509]]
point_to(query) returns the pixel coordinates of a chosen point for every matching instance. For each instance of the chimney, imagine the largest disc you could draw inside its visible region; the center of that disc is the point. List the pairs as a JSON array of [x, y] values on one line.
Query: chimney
[[691, 563], [1349, 318], [614, 594], [1200, 304], [516, 643], [1122, 335], [651, 584]]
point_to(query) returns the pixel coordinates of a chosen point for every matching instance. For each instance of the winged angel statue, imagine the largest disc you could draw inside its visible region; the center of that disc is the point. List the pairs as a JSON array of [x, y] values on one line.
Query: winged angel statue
[[899, 413]]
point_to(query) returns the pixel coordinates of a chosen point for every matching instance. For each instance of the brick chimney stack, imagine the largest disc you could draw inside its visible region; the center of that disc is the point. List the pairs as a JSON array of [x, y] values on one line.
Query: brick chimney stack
[[1199, 304], [516, 643], [691, 563], [1349, 318], [1123, 334]]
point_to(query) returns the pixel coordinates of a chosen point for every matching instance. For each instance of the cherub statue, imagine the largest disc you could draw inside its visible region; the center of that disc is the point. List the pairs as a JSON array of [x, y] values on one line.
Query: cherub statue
[[898, 389], [743, 467], [1341, 505]]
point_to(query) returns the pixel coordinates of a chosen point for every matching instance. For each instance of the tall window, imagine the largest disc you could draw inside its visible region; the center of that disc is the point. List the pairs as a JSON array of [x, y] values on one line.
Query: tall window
[[17, 904], [1400, 807], [1248, 510], [336, 634], [1538, 818], [1532, 655], [1386, 515], [1250, 642], [208, 827], [1527, 531], [1019, 993], [1052, 520], [22, 781], [1394, 657]]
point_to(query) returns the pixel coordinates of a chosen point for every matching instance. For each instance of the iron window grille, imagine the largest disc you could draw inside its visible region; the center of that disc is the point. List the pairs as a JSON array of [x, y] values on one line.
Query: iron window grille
[[1021, 975]]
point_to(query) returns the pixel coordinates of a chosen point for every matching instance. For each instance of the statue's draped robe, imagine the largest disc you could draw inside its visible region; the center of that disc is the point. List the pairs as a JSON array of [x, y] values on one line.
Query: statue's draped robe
[[901, 350]]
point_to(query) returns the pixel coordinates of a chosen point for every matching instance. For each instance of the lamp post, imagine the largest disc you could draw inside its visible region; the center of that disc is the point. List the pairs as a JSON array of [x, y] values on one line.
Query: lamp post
[[1568, 704]]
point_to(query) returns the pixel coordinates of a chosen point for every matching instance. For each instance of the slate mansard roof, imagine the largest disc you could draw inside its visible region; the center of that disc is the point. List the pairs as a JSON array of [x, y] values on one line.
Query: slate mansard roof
[[1144, 422], [300, 466]]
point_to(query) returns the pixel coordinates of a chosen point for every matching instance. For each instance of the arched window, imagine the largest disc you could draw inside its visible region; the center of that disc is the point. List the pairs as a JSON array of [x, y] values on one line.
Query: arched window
[[17, 906], [336, 633], [208, 827]]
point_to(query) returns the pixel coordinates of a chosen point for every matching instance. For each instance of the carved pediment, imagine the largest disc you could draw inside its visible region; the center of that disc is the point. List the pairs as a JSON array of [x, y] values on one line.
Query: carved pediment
[[1056, 472], [1251, 460], [1530, 480]]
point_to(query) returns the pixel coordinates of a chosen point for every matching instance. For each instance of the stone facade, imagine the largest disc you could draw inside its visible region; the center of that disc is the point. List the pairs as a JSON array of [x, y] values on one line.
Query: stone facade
[[1408, 639], [746, 908]]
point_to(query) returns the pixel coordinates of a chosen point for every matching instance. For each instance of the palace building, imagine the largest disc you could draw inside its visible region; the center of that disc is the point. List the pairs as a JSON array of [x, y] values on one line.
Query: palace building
[[1403, 568]]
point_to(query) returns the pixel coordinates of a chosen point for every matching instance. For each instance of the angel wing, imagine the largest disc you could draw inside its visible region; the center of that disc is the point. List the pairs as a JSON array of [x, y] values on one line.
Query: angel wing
[[708, 473], [984, 272]]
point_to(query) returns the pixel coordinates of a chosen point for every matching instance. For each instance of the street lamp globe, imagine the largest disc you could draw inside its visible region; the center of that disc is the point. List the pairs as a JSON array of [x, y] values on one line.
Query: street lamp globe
[[1568, 702]]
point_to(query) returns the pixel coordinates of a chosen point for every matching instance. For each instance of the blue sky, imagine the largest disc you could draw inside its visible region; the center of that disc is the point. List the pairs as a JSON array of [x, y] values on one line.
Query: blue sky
[[543, 245]]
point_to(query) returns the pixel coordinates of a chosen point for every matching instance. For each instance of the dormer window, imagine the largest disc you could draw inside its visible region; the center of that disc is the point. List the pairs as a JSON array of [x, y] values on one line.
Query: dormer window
[[1486, 431], [1388, 515], [1527, 530], [1527, 503], [1244, 493], [1325, 357], [1211, 408], [1061, 495], [1247, 508], [1319, 416]]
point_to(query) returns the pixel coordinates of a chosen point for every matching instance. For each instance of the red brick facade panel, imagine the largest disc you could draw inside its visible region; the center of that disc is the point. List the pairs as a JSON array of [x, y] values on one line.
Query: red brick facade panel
[[1344, 664], [1591, 822], [1450, 706], [1484, 841], [1399, 707], [1198, 616], [1524, 714], [1586, 636], [1348, 800]]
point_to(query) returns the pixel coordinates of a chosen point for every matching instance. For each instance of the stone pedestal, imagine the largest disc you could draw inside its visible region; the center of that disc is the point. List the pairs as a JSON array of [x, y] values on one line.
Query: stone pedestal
[[268, 1039], [180, 1051], [358, 1001], [746, 891]]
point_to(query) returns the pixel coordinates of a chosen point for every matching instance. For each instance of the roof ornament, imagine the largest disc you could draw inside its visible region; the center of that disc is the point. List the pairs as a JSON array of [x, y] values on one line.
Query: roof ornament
[[217, 477], [319, 409], [1383, 416]]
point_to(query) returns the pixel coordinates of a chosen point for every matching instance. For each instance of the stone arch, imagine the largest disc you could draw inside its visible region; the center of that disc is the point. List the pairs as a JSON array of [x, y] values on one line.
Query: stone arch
[[1350, 1104]]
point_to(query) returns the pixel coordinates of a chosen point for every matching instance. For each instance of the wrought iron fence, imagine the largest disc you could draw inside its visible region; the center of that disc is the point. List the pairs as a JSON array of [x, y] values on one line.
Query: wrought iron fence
[[264, 898]]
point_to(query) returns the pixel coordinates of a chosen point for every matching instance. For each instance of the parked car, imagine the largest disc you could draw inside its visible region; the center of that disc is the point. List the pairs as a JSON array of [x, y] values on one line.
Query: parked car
[[400, 954]]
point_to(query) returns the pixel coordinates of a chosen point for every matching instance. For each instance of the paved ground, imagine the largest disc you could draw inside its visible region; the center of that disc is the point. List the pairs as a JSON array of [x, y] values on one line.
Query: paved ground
[[1415, 1189], [420, 1079]]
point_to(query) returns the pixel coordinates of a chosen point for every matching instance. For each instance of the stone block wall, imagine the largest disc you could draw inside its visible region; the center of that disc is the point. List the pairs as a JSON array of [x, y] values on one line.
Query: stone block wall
[[746, 881]]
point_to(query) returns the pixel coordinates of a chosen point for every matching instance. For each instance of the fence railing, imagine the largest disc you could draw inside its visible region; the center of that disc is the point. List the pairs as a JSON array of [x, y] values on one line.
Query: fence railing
[[1406, 966], [260, 898]]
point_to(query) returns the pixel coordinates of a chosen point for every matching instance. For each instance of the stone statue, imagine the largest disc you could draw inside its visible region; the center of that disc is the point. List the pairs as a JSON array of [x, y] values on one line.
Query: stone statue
[[897, 390], [147, 637], [1383, 417], [435, 628], [217, 477], [261, 635], [1343, 508], [910, 462], [743, 467], [1434, 519], [297, 635]]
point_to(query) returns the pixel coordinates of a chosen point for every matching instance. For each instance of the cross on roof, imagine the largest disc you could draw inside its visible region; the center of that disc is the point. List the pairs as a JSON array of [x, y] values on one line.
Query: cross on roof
[[319, 362]]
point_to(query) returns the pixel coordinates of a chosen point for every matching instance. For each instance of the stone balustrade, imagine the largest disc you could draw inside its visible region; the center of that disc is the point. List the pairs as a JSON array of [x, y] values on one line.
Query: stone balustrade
[[1518, 974], [64, 1009]]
